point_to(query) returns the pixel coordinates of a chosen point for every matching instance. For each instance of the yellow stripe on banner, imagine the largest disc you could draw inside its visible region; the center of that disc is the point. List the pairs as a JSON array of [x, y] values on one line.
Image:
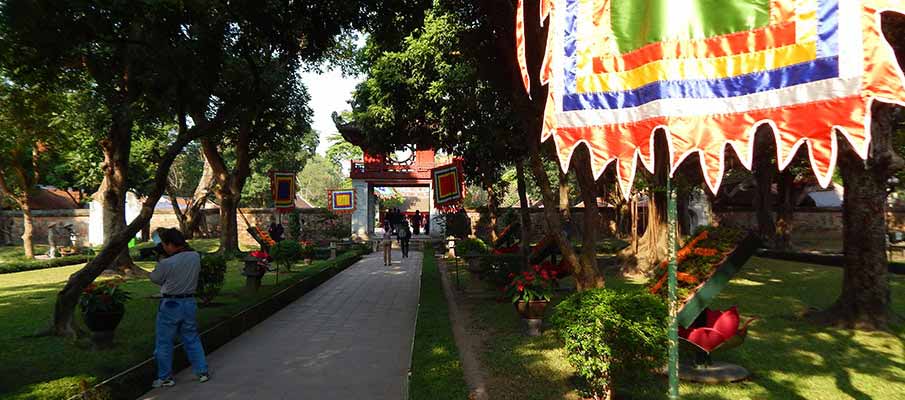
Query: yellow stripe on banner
[[686, 69]]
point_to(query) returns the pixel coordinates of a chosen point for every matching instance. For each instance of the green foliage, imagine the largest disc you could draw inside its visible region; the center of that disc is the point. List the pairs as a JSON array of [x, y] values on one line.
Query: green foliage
[[469, 246], [286, 252], [393, 199], [436, 369], [611, 335], [319, 176], [341, 151], [211, 277], [104, 296], [294, 226]]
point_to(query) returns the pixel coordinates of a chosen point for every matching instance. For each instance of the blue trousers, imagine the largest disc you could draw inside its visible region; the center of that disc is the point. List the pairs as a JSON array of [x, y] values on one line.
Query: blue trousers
[[177, 317]]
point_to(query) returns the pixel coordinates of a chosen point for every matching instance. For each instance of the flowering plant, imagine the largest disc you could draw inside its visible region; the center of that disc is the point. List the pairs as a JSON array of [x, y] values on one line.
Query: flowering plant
[[697, 260], [263, 260], [104, 296], [536, 284], [265, 237]]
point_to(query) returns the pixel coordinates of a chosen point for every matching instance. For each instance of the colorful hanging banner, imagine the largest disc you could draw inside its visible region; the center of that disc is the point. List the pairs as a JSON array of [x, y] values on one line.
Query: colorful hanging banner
[[449, 186], [710, 74], [341, 201], [282, 187]]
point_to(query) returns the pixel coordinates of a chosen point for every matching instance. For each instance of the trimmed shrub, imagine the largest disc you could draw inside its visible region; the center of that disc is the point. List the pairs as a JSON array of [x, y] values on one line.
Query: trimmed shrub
[[9, 267], [611, 335], [468, 246], [210, 280], [286, 252]]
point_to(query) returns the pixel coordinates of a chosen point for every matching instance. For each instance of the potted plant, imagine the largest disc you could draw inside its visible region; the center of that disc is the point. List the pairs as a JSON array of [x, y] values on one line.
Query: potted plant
[[306, 251], [103, 305], [530, 292]]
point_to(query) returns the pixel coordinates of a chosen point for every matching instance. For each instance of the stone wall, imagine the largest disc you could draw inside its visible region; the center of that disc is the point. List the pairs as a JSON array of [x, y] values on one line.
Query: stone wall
[[11, 224], [312, 223]]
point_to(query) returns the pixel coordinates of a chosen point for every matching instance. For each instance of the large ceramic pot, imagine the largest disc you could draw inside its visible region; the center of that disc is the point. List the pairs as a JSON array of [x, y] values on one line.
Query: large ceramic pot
[[475, 266], [99, 321], [102, 326], [533, 309]]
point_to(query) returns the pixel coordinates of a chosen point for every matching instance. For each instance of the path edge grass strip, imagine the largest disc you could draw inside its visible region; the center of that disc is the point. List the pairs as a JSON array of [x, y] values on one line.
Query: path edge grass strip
[[135, 381], [436, 369]]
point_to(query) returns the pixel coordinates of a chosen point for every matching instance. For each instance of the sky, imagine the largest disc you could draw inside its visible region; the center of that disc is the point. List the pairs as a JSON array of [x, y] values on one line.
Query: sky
[[330, 92]]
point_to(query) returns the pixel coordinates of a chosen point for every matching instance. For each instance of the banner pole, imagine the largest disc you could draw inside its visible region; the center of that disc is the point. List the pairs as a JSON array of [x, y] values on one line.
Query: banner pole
[[673, 334]]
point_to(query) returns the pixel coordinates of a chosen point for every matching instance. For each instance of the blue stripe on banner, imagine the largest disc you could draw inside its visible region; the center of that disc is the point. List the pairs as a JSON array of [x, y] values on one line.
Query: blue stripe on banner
[[764, 81], [827, 28], [569, 45]]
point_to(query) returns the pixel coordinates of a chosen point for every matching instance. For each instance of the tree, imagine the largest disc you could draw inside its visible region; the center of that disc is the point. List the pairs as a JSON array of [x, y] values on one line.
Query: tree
[[276, 112], [320, 175], [341, 151], [29, 131]]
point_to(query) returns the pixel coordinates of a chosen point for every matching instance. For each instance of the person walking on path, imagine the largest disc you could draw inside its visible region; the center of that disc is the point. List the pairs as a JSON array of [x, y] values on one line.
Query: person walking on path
[[405, 234], [387, 248], [416, 222], [177, 275]]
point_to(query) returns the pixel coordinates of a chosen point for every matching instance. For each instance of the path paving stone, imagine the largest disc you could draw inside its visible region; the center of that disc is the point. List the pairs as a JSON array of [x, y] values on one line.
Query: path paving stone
[[350, 338]]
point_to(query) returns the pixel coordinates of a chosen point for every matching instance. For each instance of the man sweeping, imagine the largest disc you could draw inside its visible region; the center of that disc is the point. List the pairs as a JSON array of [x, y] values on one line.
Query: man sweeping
[[177, 275]]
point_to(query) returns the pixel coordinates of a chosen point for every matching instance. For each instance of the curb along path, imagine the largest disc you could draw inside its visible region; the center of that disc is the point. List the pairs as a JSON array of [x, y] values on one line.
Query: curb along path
[[350, 338]]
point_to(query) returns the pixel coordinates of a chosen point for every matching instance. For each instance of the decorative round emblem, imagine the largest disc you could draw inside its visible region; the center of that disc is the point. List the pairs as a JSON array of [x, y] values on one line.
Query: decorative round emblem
[[405, 156]]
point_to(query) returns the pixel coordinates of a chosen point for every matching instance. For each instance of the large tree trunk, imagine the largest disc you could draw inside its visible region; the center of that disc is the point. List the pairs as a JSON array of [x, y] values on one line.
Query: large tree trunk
[[865, 299], [116, 149], [524, 209], [493, 202], [194, 215], [229, 192], [554, 223], [786, 211], [588, 276], [565, 206], [229, 231], [652, 245], [28, 245], [764, 171]]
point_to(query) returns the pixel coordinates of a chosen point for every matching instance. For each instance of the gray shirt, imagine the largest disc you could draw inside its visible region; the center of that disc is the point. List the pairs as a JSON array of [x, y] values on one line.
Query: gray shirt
[[178, 274]]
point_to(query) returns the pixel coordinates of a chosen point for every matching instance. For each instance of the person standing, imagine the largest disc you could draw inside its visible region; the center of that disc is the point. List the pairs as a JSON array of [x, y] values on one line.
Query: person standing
[[387, 248], [177, 275], [416, 222], [405, 234]]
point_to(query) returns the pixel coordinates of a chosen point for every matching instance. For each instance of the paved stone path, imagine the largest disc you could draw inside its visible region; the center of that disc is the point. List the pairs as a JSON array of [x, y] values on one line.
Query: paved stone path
[[350, 338]]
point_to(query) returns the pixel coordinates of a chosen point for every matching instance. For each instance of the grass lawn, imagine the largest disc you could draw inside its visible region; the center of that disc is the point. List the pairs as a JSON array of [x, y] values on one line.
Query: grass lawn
[[436, 370], [51, 368], [789, 358]]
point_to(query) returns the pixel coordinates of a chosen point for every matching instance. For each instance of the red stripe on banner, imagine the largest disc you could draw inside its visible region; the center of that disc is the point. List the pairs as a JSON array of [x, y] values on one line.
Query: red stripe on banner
[[760, 39], [520, 46]]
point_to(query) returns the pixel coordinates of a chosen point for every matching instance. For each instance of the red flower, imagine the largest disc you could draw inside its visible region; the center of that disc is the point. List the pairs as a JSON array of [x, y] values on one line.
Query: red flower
[[511, 275], [536, 268], [521, 288]]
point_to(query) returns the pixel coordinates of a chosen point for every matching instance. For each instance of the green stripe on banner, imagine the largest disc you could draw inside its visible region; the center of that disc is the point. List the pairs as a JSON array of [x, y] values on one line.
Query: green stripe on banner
[[640, 22]]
